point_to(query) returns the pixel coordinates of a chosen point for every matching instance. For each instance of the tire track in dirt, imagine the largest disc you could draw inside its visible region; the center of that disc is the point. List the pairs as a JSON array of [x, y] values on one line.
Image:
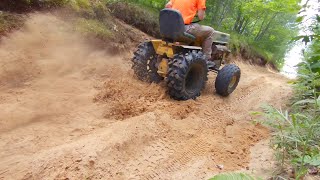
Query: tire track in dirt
[[180, 159]]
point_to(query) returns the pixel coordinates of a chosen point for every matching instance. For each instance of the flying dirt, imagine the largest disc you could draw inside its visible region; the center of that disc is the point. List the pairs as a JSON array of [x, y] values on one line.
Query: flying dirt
[[70, 110]]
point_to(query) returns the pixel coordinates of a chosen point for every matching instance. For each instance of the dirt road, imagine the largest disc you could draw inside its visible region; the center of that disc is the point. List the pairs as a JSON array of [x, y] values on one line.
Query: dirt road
[[71, 111]]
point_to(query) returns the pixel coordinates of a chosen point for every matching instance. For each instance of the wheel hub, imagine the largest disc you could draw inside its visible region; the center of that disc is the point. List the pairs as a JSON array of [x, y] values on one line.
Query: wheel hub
[[232, 82]]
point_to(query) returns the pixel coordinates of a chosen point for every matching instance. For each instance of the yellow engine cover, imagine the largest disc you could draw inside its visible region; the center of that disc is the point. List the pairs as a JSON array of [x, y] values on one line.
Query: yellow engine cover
[[163, 48], [163, 67]]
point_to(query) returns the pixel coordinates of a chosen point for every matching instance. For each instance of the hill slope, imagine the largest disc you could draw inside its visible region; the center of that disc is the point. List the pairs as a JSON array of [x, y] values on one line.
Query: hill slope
[[72, 110]]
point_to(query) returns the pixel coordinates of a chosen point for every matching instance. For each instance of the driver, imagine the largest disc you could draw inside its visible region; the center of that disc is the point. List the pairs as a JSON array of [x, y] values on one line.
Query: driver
[[188, 9]]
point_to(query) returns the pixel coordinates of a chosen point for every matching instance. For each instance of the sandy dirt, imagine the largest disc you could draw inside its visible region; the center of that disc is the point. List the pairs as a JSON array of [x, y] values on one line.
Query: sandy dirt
[[71, 111]]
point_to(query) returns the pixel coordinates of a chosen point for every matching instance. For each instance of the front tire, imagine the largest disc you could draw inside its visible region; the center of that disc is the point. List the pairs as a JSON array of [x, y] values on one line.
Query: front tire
[[228, 79], [187, 75], [144, 63]]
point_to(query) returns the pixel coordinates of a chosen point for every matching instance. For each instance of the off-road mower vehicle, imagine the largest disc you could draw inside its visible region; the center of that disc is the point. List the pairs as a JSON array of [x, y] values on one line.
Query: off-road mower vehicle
[[178, 59]]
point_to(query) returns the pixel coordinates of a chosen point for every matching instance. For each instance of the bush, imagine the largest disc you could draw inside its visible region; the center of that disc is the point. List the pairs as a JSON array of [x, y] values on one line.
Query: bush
[[137, 17], [296, 135]]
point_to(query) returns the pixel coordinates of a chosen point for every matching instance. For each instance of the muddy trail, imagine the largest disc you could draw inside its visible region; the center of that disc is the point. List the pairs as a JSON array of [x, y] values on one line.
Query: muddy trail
[[70, 110]]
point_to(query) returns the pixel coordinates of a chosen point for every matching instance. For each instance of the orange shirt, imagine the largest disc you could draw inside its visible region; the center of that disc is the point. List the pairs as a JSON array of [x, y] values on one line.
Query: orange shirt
[[188, 8]]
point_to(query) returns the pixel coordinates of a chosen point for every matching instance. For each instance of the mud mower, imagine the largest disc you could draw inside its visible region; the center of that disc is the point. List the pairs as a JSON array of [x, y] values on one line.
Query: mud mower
[[178, 59]]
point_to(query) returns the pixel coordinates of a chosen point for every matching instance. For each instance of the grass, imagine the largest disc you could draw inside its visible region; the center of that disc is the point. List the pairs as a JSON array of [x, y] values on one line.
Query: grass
[[134, 15], [93, 27], [296, 132], [79, 5], [10, 21]]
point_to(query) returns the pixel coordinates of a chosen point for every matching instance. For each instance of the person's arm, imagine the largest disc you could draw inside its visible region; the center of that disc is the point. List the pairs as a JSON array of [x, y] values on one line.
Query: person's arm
[[201, 9], [201, 14], [169, 4]]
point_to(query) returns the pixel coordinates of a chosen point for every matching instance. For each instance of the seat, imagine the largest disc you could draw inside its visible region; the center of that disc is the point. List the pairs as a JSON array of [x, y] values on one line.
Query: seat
[[172, 27]]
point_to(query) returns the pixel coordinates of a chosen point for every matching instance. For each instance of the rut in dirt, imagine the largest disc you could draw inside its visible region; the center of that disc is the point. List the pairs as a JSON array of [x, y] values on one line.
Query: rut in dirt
[[71, 110]]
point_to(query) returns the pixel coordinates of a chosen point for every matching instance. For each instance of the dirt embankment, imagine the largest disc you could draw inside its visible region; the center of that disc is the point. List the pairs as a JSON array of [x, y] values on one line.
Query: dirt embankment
[[72, 111]]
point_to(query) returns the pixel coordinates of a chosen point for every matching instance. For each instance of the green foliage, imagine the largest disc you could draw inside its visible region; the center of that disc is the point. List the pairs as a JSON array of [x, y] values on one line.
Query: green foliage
[[266, 26], [79, 4], [308, 84], [297, 133], [296, 137], [136, 16], [155, 4], [233, 176]]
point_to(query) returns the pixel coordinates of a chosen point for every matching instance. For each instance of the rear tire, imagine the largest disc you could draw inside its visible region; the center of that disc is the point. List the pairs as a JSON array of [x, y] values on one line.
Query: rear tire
[[228, 79], [187, 75], [144, 63]]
